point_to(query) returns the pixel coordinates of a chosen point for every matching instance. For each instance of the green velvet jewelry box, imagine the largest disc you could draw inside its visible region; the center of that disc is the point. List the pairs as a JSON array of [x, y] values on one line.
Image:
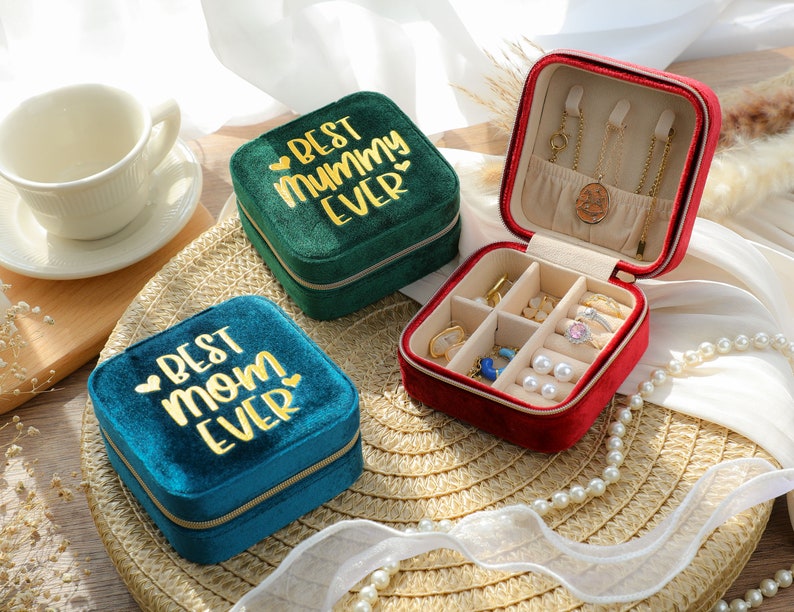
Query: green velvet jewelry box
[[347, 204], [228, 426]]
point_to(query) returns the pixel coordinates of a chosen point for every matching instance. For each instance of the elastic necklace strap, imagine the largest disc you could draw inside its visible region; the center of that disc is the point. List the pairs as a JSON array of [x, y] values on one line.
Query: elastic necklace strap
[[574, 101], [619, 113], [664, 125]]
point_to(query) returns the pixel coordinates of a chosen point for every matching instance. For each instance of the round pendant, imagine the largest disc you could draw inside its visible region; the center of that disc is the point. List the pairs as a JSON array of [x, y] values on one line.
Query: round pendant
[[592, 205]]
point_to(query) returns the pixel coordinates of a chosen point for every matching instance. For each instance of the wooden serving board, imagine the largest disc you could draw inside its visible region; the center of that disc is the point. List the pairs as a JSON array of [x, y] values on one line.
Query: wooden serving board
[[85, 311]]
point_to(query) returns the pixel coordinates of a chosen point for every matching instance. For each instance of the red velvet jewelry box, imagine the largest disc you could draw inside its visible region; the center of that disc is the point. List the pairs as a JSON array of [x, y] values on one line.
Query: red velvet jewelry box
[[603, 177]]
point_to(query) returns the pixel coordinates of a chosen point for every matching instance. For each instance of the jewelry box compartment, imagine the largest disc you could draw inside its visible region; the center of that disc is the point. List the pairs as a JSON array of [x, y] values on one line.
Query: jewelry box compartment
[[603, 176], [610, 157], [531, 330]]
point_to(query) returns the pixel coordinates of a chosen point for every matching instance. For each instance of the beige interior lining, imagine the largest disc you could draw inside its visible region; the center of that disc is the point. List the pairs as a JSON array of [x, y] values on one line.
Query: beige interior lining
[[503, 324], [544, 199]]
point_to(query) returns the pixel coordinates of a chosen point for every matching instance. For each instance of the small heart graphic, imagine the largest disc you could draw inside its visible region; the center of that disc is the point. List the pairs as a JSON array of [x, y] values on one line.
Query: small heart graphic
[[292, 381], [281, 164], [402, 167], [152, 384]]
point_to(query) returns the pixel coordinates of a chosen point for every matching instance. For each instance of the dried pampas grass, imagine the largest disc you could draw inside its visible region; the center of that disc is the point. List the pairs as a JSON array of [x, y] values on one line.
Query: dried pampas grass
[[755, 152], [507, 81], [765, 109], [746, 175]]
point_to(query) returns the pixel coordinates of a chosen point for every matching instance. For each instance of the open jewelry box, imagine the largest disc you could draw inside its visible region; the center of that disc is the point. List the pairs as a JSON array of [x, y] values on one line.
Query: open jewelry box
[[603, 176]]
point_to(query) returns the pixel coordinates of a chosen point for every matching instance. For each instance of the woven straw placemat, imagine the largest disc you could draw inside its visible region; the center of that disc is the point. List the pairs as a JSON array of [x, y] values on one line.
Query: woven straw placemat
[[418, 463]]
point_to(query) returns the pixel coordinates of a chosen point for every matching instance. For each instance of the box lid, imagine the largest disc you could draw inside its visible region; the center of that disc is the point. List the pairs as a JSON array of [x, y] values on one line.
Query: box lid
[[342, 190], [230, 403], [606, 164]]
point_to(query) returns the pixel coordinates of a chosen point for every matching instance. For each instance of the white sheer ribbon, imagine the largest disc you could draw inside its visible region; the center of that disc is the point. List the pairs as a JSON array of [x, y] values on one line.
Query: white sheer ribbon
[[324, 567]]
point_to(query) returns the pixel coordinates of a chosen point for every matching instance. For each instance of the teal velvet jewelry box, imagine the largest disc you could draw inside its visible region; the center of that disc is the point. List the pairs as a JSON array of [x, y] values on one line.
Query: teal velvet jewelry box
[[228, 426], [347, 204]]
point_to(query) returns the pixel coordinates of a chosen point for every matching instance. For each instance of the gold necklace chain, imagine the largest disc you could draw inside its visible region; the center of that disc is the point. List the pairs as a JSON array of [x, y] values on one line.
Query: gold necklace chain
[[615, 153], [654, 190], [559, 139]]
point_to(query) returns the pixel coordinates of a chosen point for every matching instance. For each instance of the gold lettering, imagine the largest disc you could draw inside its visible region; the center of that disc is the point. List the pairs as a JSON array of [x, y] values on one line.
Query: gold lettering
[[382, 146], [217, 447], [304, 155], [283, 410], [342, 168], [258, 369], [177, 376], [287, 183], [392, 190], [247, 433], [344, 122], [317, 146], [228, 339], [337, 219], [361, 208], [374, 200], [221, 387], [185, 396], [195, 366], [214, 354], [397, 143], [366, 157], [262, 423], [337, 140], [321, 182]]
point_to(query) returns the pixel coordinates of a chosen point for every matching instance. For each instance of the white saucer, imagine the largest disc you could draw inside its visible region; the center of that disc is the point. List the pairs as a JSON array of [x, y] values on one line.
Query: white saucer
[[27, 248]]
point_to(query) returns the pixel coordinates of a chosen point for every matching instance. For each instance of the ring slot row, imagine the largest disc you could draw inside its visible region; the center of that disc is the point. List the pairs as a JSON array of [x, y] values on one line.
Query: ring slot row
[[605, 305]]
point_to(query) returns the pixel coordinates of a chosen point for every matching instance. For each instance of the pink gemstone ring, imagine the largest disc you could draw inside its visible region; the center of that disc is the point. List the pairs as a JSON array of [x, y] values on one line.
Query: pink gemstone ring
[[579, 333]]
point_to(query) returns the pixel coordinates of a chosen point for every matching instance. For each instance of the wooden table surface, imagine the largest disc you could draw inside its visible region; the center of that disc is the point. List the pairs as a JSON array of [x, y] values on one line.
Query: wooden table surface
[[95, 585]]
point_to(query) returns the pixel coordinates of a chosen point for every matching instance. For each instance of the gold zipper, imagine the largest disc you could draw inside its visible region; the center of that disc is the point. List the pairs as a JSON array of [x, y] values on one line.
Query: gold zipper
[[246, 506], [346, 281]]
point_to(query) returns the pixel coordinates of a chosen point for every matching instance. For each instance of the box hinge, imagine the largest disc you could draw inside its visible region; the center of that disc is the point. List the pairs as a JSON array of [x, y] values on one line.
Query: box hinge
[[582, 258]]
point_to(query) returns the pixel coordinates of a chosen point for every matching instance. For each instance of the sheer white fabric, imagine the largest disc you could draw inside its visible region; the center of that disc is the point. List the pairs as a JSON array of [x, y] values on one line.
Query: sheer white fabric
[[324, 567], [243, 61]]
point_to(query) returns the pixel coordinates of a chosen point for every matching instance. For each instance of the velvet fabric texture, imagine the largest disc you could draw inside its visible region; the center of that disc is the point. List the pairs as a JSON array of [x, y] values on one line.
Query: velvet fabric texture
[[476, 403], [500, 403], [347, 204], [228, 426]]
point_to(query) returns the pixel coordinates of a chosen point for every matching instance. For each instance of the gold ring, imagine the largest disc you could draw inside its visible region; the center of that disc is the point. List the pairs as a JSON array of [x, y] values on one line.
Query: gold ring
[[579, 333], [610, 303], [493, 297], [444, 340]]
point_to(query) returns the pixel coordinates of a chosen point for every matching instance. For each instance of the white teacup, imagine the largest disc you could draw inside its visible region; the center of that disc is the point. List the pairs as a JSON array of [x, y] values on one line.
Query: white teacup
[[80, 156]]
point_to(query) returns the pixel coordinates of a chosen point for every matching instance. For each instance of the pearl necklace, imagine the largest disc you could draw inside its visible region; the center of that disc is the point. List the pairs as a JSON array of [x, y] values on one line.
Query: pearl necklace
[[614, 445]]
